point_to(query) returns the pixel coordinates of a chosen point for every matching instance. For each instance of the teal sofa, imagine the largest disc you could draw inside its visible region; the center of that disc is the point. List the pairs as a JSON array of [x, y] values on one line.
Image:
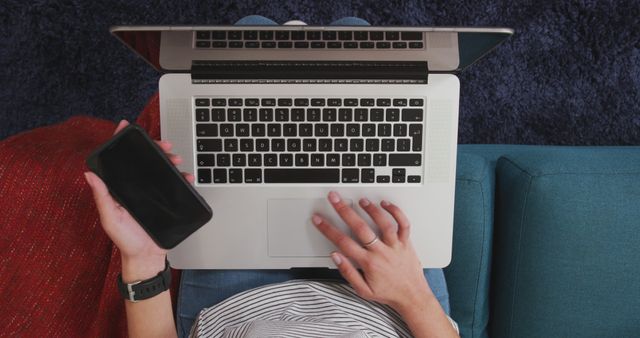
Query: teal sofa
[[546, 242]]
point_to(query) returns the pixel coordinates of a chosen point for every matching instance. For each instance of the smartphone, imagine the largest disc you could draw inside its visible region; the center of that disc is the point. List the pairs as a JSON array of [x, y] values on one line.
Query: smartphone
[[144, 181]]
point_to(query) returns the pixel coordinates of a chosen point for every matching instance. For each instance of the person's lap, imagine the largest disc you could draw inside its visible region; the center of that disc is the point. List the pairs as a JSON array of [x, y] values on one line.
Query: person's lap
[[204, 288]]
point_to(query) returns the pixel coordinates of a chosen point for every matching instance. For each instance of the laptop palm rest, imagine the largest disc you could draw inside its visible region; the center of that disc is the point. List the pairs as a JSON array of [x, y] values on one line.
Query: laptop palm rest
[[291, 232]]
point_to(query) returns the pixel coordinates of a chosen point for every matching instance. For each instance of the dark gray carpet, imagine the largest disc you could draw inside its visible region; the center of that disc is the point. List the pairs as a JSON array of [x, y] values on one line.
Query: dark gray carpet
[[570, 75]]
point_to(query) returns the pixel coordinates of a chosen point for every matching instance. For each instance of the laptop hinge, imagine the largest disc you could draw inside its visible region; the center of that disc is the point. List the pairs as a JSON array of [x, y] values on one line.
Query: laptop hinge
[[411, 72]]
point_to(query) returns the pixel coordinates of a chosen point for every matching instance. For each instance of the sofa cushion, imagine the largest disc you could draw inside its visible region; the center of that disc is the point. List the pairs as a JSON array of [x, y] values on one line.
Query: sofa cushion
[[566, 252], [468, 274]]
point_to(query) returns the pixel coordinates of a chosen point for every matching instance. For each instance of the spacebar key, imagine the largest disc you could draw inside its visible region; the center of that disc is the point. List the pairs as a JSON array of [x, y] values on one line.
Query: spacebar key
[[301, 175]]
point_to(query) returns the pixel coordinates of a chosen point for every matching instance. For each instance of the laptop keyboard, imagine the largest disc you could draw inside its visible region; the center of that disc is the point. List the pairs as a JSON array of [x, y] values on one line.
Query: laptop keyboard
[[282, 39], [308, 140]]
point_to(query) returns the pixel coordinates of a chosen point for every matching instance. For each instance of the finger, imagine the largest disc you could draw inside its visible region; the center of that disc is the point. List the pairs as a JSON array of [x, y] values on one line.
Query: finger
[[121, 125], [400, 217], [389, 231], [104, 201], [360, 228], [189, 177], [175, 159], [164, 145], [343, 242], [351, 275]]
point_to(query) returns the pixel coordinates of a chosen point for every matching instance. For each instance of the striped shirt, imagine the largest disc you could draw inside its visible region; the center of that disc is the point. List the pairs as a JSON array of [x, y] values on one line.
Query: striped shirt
[[300, 308]]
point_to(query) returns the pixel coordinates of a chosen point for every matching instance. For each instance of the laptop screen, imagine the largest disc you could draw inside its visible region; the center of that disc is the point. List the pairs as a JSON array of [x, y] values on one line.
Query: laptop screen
[[176, 48]]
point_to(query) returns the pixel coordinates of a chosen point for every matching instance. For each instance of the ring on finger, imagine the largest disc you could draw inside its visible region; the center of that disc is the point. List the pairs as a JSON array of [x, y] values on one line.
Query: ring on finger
[[370, 243]]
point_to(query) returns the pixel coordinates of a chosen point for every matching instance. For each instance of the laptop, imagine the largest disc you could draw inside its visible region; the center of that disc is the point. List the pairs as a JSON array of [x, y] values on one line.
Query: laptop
[[272, 118]]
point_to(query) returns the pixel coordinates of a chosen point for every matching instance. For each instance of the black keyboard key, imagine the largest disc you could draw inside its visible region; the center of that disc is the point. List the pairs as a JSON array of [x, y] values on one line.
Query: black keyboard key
[[367, 102], [286, 160], [202, 102], [268, 44], [313, 114], [203, 44], [308, 175], [314, 35], [337, 129], [219, 44], [262, 144], [413, 179], [368, 129], [360, 35], [372, 144], [411, 35], [204, 175], [266, 114], [252, 176], [297, 114], [301, 102], [379, 160], [377, 114], [388, 144], [223, 160], [203, 35], [218, 102], [282, 114], [334, 102], [234, 35], [367, 45], [317, 160], [301, 160], [364, 160], [278, 144], [367, 175], [348, 160], [266, 35], [328, 35], [383, 179], [293, 144], [400, 102], [305, 129], [207, 129], [412, 114], [356, 144], [297, 35], [403, 144], [416, 45], [285, 44], [345, 114], [239, 160], [333, 160], [309, 144], [251, 44], [226, 130], [317, 102], [392, 35], [344, 35], [258, 129], [350, 176], [250, 114], [235, 102], [246, 144], [384, 129], [235, 44], [202, 114], [274, 130], [231, 144], [268, 102], [334, 44], [252, 102], [219, 35], [383, 102], [270, 160], [416, 102], [393, 114], [376, 35], [282, 35], [340, 144], [383, 45], [400, 45], [405, 160], [289, 129], [361, 114], [321, 129], [234, 115], [350, 44], [235, 175], [219, 175], [214, 145], [318, 44], [416, 143], [350, 102], [399, 129], [206, 160], [324, 144], [285, 102], [353, 129], [217, 114], [301, 44], [251, 35], [255, 160], [329, 114], [397, 179]]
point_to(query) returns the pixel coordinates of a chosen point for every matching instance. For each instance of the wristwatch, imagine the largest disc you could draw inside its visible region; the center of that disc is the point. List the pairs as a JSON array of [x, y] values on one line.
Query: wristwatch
[[145, 289]]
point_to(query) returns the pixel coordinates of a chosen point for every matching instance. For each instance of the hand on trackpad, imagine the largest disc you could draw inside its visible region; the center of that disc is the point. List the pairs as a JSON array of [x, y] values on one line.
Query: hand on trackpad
[[290, 231]]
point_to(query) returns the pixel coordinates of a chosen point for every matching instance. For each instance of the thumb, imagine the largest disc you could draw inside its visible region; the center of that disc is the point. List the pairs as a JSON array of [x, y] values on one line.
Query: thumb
[[103, 199]]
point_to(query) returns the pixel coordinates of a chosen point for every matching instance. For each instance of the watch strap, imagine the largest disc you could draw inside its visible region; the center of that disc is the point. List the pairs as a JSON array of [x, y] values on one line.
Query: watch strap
[[145, 289]]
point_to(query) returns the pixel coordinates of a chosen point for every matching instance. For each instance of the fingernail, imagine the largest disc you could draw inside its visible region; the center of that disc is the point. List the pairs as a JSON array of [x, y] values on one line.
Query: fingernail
[[316, 219], [86, 177], [364, 202], [384, 203], [177, 158], [334, 197], [336, 258]]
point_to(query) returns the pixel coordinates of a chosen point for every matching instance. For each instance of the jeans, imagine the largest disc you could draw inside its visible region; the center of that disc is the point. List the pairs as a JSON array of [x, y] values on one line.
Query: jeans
[[204, 288]]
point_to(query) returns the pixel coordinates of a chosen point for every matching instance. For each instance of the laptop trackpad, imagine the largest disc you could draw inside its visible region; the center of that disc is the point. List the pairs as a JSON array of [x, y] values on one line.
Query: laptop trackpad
[[291, 232]]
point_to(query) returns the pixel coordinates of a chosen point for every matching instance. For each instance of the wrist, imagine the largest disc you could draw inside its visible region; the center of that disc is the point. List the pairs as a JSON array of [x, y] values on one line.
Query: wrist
[[416, 301], [141, 268]]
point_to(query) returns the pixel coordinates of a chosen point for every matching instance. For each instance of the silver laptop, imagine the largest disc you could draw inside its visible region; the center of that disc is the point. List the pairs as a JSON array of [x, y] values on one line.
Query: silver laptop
[[271, 118]]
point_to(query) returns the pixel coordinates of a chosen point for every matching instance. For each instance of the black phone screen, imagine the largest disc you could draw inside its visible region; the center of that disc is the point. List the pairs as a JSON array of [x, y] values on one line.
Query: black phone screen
[[143, 180]]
